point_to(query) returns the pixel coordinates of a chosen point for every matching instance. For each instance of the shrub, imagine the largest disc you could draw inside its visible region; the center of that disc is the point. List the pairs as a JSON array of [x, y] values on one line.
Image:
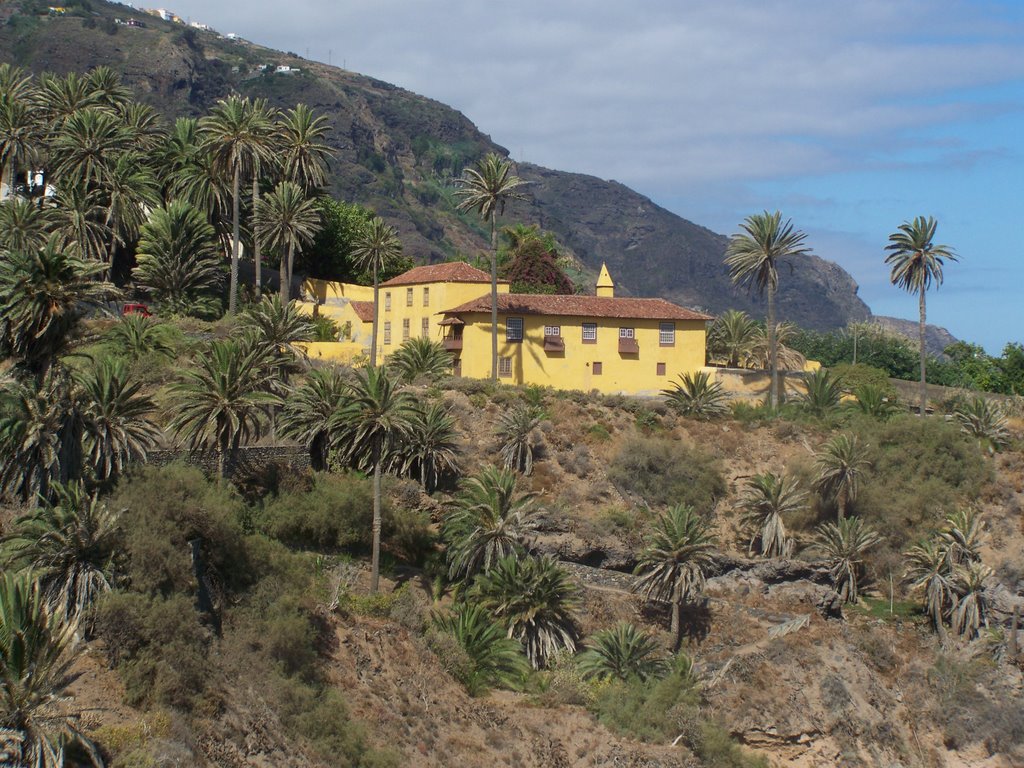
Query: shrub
[[334, 514], [697, 396], [664, 472], [491, 658], [326, 329]]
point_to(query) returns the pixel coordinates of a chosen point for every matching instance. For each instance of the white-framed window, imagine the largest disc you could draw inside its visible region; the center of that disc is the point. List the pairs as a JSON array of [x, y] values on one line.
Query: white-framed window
[[514, 329], [626, 333], [552, 330], [590, 333], [387, 301], [425, 328], [667, 334], [387, 331], [408, 297], [426, 296], [405, 329], [504, 366]]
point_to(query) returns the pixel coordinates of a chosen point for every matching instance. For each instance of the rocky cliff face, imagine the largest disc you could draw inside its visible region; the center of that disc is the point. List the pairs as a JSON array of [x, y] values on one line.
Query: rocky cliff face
[[398, 153]]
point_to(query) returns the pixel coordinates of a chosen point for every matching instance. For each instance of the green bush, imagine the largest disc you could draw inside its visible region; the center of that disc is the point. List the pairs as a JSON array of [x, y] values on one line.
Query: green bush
[[334, 514], [165, 509], [854, 376], [665, 472]]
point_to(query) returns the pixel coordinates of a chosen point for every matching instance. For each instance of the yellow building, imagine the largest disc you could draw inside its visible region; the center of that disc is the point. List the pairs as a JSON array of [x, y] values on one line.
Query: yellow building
[[627, 345]]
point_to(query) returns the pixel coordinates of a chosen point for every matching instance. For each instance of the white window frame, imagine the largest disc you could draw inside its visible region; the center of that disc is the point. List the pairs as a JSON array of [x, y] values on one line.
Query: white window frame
[[387, 301], [406, 328], [667, 334], [408, 297], [592, 328], [504, 366], [425, 327], [387, 331], [627, 333], [552, 331], [426, 296], [513, 323]]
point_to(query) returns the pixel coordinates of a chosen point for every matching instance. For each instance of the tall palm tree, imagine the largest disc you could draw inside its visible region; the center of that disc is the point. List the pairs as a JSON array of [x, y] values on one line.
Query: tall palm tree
[[753, 258], [40, 435], [431, 449], [486, 189], [916, 263], [282, 328], [57, 98], [534, 598], [843, 544], [265, 116], [44, 295], [223, 402], [488, 521], [86, 148], [70, 545], [130, 190], [375, 248], [24, 226], [768, 498], [308, 409], [237, 138], [79, 214], [673, 565], [286, 220], [374, 419], [622, 652], [928, 571], [107, 89], [37, 649], [20, 136], [840, 464], [116, 418], [177, 259], [146, 130], [304, 154]]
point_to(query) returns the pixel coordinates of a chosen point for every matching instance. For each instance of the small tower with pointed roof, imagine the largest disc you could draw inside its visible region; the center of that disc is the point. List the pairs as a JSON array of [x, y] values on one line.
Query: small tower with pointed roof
[[605, 286]]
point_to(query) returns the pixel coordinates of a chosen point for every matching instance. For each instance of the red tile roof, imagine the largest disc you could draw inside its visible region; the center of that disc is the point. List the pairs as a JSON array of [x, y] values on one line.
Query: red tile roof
[[363, 310], [581, 306], [450, 272]]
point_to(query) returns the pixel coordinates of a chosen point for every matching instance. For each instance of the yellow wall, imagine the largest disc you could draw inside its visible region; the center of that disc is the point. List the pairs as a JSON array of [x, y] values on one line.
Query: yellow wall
[[348, 352], [573, 368]]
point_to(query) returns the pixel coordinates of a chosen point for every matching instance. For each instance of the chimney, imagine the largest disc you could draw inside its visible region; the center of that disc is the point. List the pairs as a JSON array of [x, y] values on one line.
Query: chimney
[[605, 286]]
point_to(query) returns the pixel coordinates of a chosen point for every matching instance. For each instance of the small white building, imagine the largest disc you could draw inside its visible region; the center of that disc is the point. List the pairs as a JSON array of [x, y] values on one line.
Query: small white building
[[284, 69]]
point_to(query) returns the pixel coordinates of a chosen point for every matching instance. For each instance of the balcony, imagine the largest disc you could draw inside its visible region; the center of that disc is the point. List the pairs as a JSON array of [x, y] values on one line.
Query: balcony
[[554, 344], [628, 346], [452, 343]]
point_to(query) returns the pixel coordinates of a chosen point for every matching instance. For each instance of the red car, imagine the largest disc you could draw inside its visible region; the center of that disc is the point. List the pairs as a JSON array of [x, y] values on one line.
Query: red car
[[136, 308]]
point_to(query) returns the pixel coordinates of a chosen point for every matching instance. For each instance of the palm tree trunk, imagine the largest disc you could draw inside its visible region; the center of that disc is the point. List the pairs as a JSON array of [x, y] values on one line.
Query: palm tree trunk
[[494, 297], [283, 274], [375, 567], [773, 350], [921, 329], [291, 264], [257, 252], [233, 289], [376, 317], [677, 625], [841, 506], [3, 178], [112, 224]]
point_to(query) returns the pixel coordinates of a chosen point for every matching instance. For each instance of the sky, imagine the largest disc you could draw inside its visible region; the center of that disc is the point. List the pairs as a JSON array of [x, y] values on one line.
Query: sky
[[850, 118]]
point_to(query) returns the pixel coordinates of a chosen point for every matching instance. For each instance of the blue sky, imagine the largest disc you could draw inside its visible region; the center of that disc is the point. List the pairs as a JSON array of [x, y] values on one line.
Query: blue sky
[[850, 118]]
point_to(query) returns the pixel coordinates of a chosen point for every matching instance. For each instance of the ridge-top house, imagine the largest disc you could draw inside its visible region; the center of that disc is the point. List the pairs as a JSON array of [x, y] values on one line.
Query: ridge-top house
[[602, 342]]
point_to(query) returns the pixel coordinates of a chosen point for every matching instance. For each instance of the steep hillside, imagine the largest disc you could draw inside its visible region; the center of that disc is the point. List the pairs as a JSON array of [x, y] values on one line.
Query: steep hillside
[[398, 153]]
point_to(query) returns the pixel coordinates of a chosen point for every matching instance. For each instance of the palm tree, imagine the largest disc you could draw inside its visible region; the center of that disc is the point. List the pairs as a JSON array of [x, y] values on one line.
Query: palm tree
[[40, 435], [488, 521], [823, 392], [24, 226], [515, 430], [533, 597], [485, 189], [962, 536], [136, 335], [282, 328], [130, 189], [431, 449], [375, 248], [418, 357], [971, 612], [928, 571], [765, 503], [238, 139], [264, 116], [494, 659], [675, 560], [223, 402], [115, 417], [843, 544], [840, 464], [304, 154], [57, 98], [753, 258], [872, 400], [79, 214], [622, 652], [70, 545], [984, 420], [286, 220], [106, 87], [916, 263], [308, 410], [731, 338], [87, 147], [146, 130], [374, 419], [696, 395], [177, 262], [44, 296], [20, 136], [37, 649]]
